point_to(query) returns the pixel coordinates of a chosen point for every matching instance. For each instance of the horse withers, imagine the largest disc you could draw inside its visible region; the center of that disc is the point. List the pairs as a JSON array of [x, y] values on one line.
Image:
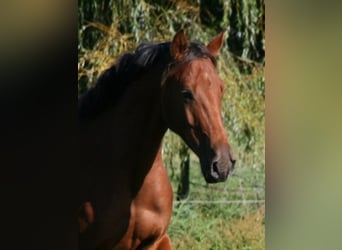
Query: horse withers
[[126, 195]]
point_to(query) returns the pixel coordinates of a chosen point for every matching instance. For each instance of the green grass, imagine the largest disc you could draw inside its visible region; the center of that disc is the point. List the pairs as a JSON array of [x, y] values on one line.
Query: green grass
[[216, 227], [219, 226]]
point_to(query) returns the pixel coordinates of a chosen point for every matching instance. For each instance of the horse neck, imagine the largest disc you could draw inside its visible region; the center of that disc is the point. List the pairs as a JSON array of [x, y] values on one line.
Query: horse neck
[[141, 109]]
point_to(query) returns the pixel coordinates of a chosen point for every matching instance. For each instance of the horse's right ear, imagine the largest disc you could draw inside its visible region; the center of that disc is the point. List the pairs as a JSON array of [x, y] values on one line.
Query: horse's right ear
[[215, 44], [179, 46]]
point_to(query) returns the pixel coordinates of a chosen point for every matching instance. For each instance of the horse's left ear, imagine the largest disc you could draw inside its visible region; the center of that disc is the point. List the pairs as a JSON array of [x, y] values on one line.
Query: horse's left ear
[[179, 46], [215, 45]]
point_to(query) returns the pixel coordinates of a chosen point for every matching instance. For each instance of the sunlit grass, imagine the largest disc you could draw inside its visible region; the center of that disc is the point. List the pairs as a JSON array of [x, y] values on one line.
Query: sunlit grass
[[193, 226]]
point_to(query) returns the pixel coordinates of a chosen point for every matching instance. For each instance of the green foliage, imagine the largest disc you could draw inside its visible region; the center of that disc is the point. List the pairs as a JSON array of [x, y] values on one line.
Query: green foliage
[[108, 28], [216, 227], [147, 19]]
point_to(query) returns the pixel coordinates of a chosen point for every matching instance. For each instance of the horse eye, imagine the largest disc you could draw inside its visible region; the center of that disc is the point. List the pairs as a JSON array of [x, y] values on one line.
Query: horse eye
[[187, 95]]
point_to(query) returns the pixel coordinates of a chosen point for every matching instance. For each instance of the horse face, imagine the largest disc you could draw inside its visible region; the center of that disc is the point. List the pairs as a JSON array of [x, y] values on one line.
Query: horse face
[[192, 95]]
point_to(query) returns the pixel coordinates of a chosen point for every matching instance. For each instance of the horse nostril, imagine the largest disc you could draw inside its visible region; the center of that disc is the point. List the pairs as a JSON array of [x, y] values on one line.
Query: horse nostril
[[233, 161], [215, 167]]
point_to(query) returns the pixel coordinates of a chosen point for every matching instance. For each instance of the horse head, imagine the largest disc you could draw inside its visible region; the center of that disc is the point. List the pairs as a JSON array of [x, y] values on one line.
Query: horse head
[[192, 93]]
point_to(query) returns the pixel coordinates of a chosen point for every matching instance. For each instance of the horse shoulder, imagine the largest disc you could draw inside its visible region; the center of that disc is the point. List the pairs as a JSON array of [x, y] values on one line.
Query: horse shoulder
[[151, 210]]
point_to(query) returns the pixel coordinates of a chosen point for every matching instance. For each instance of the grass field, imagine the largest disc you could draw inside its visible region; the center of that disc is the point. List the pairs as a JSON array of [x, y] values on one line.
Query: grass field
[[229, 223], [217, 227], [227, 215]]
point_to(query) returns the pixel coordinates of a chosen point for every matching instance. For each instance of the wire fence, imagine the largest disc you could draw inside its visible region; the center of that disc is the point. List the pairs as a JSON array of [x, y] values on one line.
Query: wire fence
[[220, 202], [242, 195]]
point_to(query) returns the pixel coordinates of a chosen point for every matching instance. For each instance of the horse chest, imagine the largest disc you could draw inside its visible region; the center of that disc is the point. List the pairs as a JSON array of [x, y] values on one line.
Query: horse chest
[[150, 211], [149, 225], [146, 227]]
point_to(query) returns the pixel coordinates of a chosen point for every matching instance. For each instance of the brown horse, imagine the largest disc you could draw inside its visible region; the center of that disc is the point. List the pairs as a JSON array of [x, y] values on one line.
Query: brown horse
[[126, 195]]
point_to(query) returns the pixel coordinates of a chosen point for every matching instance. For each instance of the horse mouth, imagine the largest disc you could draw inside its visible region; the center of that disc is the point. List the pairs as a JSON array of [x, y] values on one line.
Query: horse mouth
[[213, 175], [209, 178]]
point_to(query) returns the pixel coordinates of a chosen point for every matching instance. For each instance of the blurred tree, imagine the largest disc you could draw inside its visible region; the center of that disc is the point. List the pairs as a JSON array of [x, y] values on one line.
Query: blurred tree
[[245, 20], [99, 11], [211, 13], [184, 182]]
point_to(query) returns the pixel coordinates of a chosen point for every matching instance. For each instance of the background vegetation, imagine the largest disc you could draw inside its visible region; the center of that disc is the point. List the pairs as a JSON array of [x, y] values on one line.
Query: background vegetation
[[228, 215]]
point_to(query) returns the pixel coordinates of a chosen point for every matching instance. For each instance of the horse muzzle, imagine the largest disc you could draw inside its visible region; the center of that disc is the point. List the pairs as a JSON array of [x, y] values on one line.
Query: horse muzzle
[[218, 169]]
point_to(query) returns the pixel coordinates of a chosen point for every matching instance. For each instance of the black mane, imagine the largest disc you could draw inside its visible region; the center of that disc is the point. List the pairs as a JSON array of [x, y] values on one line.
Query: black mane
[[114, 81]]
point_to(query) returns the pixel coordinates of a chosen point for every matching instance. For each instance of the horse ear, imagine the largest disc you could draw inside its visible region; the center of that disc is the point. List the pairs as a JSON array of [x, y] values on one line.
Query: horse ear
[[215, 45], [179, 45]]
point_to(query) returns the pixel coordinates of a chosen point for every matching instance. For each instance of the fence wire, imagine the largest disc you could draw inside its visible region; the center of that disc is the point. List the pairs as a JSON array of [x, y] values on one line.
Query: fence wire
[[220, 202]]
